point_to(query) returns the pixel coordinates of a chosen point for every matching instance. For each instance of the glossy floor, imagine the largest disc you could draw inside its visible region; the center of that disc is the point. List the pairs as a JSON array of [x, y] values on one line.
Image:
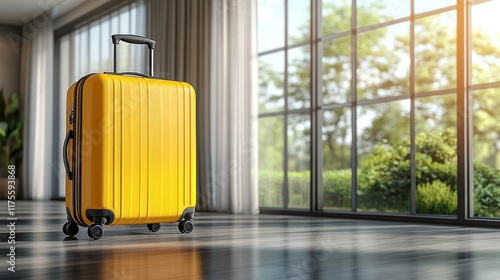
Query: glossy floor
[[226, 246]]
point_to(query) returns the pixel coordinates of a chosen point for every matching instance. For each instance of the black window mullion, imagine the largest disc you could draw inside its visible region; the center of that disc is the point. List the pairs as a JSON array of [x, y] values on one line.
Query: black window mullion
[[413, 180], [316, 110], [354, 157], [464, 206], [285, 119]]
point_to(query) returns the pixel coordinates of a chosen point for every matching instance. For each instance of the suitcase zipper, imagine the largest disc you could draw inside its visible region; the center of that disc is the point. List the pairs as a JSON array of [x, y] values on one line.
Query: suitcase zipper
[[72, 113]]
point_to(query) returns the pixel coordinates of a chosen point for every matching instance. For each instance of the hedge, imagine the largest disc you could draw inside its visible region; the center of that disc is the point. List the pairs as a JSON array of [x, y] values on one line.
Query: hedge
[[384, 181]]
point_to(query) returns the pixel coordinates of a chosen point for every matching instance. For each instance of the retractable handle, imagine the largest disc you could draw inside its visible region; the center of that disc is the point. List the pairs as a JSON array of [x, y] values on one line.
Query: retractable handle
[[134, 39]]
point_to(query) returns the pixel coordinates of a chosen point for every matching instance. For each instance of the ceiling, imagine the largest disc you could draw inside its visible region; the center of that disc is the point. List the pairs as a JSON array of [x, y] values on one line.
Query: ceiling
[[20, 11]]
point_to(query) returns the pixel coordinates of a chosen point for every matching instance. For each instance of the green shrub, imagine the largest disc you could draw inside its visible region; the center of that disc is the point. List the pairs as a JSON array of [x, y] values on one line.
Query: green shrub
[[385, 177], [436, 198], [486, 191], [384, 181], [270, 188], [336, 184], [337, 189], [299, 186]]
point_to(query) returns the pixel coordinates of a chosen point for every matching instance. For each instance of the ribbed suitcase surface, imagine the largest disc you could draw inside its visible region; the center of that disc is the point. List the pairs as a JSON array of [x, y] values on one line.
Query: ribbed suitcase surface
[[135, 150], [130, 150]]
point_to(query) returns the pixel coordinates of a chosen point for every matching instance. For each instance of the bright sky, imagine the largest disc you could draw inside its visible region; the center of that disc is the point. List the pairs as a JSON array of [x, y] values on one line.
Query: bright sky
[[271, 19], [271, 16]]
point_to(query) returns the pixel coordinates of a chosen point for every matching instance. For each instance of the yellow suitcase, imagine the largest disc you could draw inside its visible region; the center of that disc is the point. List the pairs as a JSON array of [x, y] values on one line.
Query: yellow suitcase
[[130, 150]]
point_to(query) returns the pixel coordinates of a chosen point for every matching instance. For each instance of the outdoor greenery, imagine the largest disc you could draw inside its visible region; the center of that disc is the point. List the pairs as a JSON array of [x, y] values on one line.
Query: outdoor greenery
[[383, 128], [11, 127], [384, 181]]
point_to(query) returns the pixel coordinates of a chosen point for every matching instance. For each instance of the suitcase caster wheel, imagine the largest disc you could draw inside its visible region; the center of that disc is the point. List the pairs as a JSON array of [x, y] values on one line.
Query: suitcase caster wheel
[[95, 231], [70, 229], [154, 227], [186, 226]]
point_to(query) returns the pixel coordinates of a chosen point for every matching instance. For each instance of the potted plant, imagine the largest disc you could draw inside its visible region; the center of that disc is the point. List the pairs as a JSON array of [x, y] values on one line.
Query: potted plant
[[11, 144]]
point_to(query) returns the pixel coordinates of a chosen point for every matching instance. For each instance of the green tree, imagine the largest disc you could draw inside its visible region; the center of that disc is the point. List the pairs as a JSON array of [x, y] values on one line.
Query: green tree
[[380, 73]]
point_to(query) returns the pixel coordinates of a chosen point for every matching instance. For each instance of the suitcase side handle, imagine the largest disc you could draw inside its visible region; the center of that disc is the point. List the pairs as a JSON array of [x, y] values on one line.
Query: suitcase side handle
[[70, 135], [134, 39]]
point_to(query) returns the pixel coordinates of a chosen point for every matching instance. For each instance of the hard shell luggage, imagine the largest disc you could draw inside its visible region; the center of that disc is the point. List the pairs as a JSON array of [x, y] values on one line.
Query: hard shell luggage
[[130, 150]]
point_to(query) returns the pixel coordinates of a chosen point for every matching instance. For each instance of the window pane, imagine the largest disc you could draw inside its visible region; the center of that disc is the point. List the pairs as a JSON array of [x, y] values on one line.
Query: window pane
[[435, 52], [384, 62], [430, 5], [384, 157], [106, 48], [271, 24], [271, 174], [370, 12], [336, 16], [83, 68], [298, 21], [485, 42], [299, 77], [299, 175], [337, 71], [75, 45], [271, 79], [436, 155], [95, 48], [337, 171], [74, 52], [115, 22], [486, 152]]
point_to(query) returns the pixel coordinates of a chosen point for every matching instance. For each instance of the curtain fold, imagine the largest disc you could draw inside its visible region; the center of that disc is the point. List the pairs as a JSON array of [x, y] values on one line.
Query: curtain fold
[[212, 45], [234, 109], [37, 96]]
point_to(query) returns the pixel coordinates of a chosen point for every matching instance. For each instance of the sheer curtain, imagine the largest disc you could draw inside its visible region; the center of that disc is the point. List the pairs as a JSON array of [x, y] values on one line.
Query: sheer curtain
[[233, 108], [37, 88], [212, 45]]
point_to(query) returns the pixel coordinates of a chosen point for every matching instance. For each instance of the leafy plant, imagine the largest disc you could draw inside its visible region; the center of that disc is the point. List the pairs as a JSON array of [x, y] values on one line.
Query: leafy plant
[[486, 191], [337, 189], [436, 198], [11, 127]]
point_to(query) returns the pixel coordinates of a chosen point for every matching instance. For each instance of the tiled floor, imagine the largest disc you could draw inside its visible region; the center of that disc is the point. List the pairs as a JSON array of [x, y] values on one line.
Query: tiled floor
[[226, 246]]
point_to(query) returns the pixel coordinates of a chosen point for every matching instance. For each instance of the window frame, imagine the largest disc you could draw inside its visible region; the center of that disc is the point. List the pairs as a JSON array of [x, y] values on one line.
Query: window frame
[[462, 90]]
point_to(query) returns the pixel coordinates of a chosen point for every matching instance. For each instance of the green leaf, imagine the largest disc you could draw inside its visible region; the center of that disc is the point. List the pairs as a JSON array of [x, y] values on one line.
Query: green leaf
[[13, 106]]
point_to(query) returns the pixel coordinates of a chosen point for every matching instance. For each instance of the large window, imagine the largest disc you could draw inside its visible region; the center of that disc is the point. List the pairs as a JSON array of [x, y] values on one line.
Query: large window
[[485, 68], [358, 106], [284, 104], [88, 49]]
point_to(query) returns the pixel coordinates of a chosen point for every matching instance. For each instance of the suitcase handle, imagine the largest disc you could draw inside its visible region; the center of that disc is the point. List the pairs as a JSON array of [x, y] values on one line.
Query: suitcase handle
[[134, 39], [70, 135], [129, 74]]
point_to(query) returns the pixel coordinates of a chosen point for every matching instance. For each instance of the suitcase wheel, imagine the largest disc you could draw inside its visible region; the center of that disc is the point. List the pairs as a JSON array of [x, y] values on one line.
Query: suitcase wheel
[[154, 227], [186, 226], [70, 229], [95, 231]]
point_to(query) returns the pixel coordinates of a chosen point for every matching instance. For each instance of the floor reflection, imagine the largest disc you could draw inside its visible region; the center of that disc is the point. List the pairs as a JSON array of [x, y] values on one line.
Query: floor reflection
[[160, 263], [225, 246]]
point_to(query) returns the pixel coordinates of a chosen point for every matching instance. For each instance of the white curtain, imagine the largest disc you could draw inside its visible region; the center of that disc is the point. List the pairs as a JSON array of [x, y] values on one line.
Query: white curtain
[[212, 45], [233, 108], [37, 96]]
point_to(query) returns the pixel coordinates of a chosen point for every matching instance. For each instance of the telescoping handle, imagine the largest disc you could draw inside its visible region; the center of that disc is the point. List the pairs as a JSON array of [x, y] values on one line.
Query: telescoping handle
[[134, 39]]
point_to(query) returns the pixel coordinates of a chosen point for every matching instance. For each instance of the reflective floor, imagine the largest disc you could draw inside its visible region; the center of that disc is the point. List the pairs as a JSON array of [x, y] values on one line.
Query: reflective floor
[[226, 246]]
